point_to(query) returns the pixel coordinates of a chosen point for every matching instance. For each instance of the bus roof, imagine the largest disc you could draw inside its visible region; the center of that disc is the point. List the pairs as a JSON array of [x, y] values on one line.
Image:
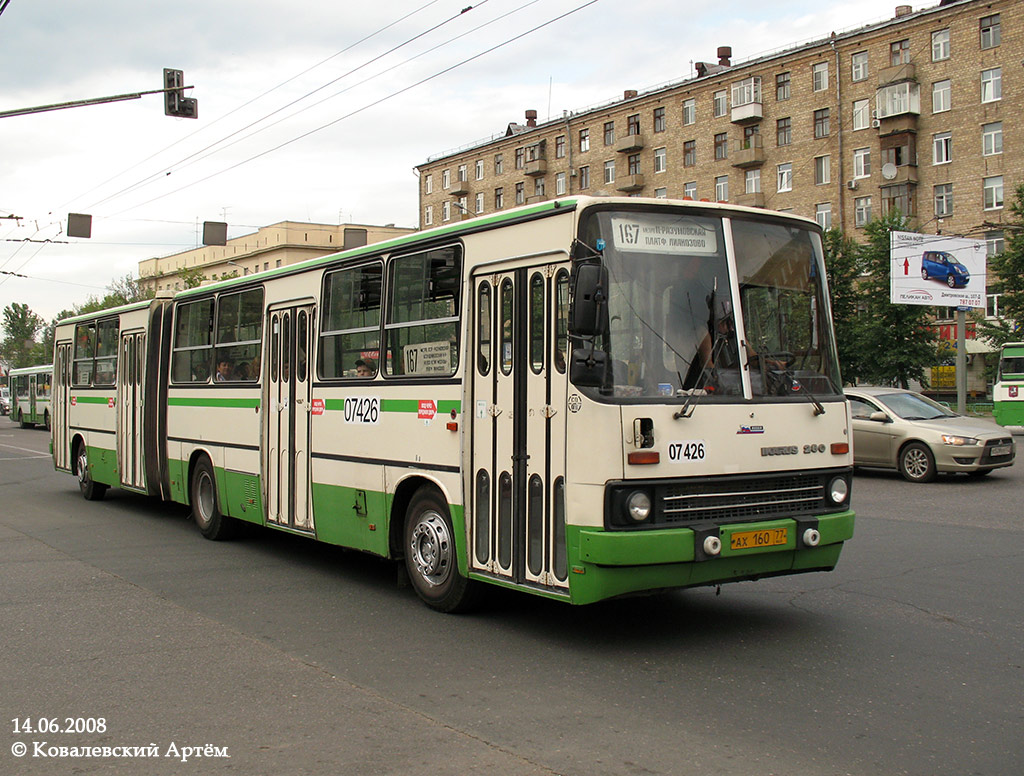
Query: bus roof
[[27, 370], [125, 308]]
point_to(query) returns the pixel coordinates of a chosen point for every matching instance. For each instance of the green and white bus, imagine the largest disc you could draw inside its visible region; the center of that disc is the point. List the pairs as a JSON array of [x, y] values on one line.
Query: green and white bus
[[30, 395], [581, 399], [1008, 391]]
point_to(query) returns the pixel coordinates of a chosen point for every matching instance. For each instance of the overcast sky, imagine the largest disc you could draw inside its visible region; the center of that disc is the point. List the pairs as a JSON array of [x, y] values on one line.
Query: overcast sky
[[345, 150]]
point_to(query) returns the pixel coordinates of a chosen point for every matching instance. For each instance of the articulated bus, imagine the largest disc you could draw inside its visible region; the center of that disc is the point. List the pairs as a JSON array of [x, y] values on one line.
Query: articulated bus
[[30, 395], [1008, 391], [582, 399]]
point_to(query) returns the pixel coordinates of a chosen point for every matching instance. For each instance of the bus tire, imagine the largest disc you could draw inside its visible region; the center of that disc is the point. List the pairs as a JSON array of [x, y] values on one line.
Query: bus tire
[[22, 422], [916, 462], [46, 420], [431, 557], [91, 490], [205, 511]]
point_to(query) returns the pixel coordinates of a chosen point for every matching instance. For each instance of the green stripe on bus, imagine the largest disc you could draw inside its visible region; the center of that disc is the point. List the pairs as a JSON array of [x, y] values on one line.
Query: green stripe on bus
[[92, 399], [181, 401], [398, 405]]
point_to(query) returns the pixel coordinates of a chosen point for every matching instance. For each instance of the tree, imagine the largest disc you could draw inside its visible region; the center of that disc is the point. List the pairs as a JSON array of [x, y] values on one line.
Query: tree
[[1006, 278], [192, 277], [896, 341], [18, 347], [843, 268]]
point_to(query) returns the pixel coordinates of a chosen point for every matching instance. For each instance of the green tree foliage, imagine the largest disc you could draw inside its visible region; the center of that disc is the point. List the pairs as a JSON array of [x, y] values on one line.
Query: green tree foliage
[[192, 277], [842, 268], [896, 342], [18, 347], [1006, 277]]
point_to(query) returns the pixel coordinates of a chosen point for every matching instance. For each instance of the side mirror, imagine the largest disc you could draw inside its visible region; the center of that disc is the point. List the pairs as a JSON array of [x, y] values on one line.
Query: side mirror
[[879, 417], [589, 314], [589, 368]]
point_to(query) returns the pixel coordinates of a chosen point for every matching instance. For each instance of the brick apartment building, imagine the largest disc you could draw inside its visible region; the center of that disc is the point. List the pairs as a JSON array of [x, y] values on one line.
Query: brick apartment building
[[915, 112]]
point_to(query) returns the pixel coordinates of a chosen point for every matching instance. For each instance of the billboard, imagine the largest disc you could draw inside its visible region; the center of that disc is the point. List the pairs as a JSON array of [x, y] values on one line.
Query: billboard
[[930, 269]]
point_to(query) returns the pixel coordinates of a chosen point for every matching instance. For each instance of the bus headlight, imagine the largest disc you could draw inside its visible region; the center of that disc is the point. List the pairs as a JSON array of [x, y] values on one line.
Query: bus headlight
[[838, 490], [638, 506]]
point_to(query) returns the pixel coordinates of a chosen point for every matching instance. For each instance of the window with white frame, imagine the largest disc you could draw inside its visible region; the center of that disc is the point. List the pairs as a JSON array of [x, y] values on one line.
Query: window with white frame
[[992, 192], [609, 171], [660, 160], [862, 163], [942, 96], [859, 66], [819, 76], [462, 173], [480, 202], [584, 140], [992, 84], [689, 111], [897, 99], [940, 45], [463, 205], [822, 169], [690, 189], [823, 214], [446, 211], [784, 177], [995, 243], [861, 211], [479, 169], [560, 182], [861, 114], [428, 215], [942, 148], [661, 193], [944, 200], [722, 188], [992, 139], [446, 179], [720, 103], [752, 181], [989, 28], [746, 91]]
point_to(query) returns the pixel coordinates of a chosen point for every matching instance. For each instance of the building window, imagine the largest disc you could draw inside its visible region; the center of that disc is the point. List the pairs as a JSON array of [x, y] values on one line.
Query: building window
[[538, 187], [821, 122], [659, 119], [862, 163], [942, 148], [861, 211], [940, 45], [859, 66], [822, 169], [747, 91], [585, 177], [499, 198], [992, 139], [520, 158], [633, 124], [992, 84], [660, 160], [560, 147], [446, 211], [784, 179], [520, 193], [690, 190], [689, 111], [899, 197], [428, 215], [634, 164], [823, 214], [722, 145], [428, 184], [661, 193], [584, 140], [609, 133], [994, 243], [479, 169], [446, 179], [609, 171], [719, 101], [480, 202], [462, 174], [499, 164], [722, 188], [819, 76], [942, 93], [689, 153], [899, 52], [861, 114], [897, 99], [783, 132], [752, 181], [944, 200], [992, 192], [990, 31], [782, 86], [560, 181]]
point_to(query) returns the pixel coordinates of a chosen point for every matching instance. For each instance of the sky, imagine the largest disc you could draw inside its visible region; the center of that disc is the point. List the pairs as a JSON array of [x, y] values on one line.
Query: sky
[[316, 113]]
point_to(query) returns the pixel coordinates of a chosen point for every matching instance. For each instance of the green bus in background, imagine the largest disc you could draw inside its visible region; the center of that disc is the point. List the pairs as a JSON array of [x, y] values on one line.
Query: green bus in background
[[1008, 392], [30, 395]]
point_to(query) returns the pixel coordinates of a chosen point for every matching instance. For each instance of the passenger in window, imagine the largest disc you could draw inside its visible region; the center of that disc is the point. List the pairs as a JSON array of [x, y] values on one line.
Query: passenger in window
[[365, 367], [225, 371]]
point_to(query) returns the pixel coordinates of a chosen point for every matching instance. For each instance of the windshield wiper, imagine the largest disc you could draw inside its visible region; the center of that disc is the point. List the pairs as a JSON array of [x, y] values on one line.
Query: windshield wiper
[[697, 390], [795, 386]]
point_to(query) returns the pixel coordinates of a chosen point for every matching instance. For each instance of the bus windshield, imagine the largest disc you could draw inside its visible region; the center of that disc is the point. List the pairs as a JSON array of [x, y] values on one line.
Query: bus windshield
[[674, 290]]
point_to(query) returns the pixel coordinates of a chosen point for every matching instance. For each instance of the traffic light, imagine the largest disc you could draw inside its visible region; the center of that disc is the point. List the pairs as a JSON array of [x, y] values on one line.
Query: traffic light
[[175, 101]]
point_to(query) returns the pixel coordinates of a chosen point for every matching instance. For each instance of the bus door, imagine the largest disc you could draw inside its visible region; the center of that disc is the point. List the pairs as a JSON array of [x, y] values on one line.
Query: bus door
[[130, 408], [287, 399], [517, 522], [32, 410], [59, 406]]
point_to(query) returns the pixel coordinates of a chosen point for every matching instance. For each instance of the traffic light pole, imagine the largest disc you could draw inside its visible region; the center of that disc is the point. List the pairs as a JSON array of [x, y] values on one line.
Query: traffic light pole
[[93, 101]]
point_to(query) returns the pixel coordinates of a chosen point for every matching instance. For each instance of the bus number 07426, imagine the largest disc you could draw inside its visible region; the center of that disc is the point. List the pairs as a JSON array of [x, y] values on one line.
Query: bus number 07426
[[692, 450], [362, 409]]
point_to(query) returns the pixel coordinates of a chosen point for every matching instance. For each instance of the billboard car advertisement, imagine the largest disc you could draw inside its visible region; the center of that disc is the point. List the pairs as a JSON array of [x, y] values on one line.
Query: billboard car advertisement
[[930, 269]]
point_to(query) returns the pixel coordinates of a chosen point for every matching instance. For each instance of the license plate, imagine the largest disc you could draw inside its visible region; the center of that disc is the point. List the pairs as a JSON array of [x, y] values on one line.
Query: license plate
[[1000, 450], [750, 540]]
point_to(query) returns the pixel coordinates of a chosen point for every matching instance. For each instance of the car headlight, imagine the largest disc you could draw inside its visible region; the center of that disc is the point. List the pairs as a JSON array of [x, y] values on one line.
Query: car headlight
[[958, 441], [638, 506], [838, 490]]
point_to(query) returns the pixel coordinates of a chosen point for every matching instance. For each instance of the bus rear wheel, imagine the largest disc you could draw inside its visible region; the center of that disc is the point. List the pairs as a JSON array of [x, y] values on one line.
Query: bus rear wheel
[[212, 524], [91, 490], [431, 558]]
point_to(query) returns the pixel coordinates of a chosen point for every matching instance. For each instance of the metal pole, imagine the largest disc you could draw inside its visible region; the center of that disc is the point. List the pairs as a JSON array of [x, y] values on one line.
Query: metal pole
[[961, 361]]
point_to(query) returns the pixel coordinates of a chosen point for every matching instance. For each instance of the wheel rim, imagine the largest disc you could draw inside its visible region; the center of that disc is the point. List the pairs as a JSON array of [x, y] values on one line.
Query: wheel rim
[[951, 281], [431, 548], [83, 469], [915, 461], [204, 498]]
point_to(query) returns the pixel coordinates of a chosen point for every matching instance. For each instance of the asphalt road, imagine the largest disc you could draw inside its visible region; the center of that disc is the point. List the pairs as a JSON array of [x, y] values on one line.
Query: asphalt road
[[295, 658]]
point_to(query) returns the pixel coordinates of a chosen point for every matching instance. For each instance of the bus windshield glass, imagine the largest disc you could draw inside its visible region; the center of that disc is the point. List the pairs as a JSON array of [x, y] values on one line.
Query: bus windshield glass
[[673, 295]]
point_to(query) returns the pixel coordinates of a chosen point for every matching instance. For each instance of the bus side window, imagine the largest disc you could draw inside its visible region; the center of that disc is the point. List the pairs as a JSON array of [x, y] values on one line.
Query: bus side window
[[561, 320], [483, 351]]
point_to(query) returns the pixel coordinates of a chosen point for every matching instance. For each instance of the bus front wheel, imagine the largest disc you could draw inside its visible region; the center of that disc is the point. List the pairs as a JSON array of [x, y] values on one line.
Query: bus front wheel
[[91, 490], [431, 558], [205, 511]]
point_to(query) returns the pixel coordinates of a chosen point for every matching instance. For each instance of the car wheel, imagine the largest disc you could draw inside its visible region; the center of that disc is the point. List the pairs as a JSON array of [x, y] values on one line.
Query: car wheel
[[431, 558], [205, 511], [924, 273], [917, 464], [951, 281], [91, 490]]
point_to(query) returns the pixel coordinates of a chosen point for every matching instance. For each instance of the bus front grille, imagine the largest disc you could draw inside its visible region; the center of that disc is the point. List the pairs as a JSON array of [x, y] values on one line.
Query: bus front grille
[[729, 499]]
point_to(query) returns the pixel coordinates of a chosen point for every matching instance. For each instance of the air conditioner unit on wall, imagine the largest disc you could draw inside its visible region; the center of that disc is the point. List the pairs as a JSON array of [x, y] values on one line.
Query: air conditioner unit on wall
[[851, 184], [875, 123]]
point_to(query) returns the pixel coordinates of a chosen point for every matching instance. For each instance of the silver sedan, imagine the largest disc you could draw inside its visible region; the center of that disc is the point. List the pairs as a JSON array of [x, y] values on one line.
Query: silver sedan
[[903, 430]]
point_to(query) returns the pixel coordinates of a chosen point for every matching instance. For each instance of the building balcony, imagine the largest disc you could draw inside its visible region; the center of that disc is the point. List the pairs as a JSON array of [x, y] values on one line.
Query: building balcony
[[630, 183], [537, 167], [746, 114], [896, 74], [755, 199], [748, 154], [535, 199], [893, 175], [459, 189], [630, 144], [892, 125]]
